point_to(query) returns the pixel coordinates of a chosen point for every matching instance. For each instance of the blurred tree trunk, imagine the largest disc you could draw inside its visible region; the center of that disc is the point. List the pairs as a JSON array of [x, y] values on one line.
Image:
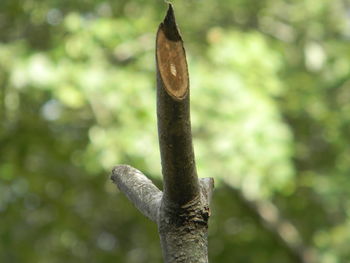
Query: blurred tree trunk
[[181, 211]]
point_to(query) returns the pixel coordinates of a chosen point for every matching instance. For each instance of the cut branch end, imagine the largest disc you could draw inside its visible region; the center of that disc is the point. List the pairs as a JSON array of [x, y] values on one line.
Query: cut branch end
[[171, 57]]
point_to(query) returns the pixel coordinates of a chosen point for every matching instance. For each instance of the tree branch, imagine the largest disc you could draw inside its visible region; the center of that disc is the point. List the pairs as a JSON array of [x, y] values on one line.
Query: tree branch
[[182, 212], [207, 187], [173, 112], [139, 189]]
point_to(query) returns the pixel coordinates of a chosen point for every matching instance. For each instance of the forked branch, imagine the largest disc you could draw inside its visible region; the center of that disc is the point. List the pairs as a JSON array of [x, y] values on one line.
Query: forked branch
[[182, 211]]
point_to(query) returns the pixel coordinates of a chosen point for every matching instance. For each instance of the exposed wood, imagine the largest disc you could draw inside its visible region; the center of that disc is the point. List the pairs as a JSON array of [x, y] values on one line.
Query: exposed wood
[[173, 112], [182, 210], [171, 58]]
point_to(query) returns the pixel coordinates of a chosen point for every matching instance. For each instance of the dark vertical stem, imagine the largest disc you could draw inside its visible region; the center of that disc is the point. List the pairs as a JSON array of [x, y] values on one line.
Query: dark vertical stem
[[173, 112]]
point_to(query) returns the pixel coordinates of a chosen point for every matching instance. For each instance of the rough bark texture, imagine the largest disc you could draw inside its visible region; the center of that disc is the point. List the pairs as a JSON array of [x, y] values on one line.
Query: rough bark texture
[[183, 229], [182, 210]]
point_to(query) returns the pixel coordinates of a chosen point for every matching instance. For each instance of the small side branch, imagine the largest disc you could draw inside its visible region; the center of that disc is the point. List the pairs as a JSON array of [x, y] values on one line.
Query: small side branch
[[207, 187], [139, 189]]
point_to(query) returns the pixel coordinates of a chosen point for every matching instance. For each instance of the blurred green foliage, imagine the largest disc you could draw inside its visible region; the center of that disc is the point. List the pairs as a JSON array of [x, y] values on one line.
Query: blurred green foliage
[[270, 94]]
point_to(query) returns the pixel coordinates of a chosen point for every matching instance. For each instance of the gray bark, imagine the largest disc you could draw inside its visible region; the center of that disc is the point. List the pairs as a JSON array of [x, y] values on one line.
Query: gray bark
[[139, 190], [182, 210]]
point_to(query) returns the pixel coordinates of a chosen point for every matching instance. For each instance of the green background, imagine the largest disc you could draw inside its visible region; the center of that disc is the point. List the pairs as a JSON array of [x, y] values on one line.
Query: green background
[[270, 105]]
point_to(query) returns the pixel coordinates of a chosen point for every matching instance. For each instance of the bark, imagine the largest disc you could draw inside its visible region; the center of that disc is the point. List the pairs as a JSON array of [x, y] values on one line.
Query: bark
[[182, 210], [173, 112], [139, 189]]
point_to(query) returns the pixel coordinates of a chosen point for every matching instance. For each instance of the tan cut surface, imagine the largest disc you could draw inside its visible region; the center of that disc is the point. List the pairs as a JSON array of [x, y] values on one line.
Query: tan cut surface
[[172, 65]]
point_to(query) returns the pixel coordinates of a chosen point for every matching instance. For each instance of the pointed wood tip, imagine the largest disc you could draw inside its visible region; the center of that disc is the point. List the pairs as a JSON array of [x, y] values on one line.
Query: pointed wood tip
[[171, 58], [170, 17], [169, 25]]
